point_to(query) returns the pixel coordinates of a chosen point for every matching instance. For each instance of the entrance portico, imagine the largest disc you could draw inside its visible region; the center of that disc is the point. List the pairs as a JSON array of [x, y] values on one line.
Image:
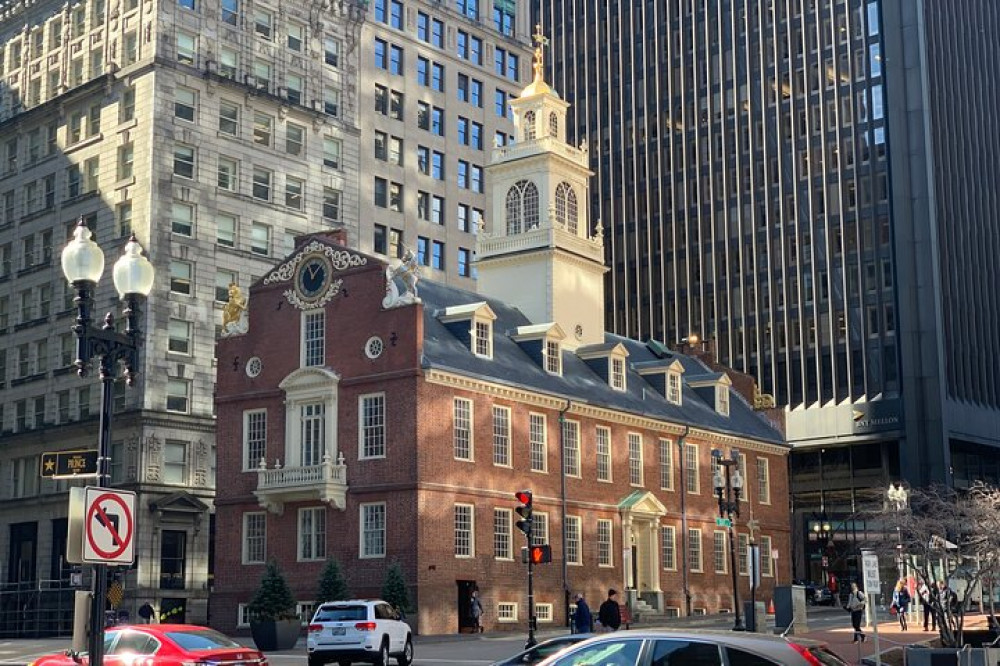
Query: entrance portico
[[641, 513]]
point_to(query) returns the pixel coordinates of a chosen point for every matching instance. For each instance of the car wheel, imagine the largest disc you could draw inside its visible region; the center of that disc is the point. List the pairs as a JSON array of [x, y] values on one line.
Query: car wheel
[[406, 658], [343, 662], [315, 661], [383, 654]]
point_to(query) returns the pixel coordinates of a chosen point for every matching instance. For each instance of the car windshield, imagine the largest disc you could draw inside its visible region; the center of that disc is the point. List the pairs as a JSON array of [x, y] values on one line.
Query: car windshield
[[201, 639], [341, 614]]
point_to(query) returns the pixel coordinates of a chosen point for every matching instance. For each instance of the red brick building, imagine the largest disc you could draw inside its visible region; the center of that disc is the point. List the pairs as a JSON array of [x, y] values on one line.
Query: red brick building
[[362, 419]]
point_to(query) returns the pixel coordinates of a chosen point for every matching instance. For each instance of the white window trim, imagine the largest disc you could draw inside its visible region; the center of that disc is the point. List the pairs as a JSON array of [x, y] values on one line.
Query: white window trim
[[767, 474], [558, 363], [725, 552], [579, 540], [673, 376], [302, 333], [611, 373], [509, 535], [579, 462], [298, 533], [506, 611], [510, 444], [472, 430], [642, 461], [722, 399], [543, 612], [611, 543], [385, 426], [243, 538], [696, 471], [668, 446], [252, 466], [361, 531], [766, 568], [611, 466], [701, 551], [243, 615], [673, 540], [473, 336], [472, 530], [545, 443], [304, 386]]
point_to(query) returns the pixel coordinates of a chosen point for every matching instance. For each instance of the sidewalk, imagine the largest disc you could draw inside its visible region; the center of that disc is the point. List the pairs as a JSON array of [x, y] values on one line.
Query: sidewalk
[[840, 639]]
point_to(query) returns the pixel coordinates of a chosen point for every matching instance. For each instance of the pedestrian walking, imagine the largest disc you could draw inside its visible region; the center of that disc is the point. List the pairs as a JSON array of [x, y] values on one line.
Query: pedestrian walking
[[856, 603], [146, 612], [927, 605], [583, 620], [609, 614], [476, 612], [901, 602]]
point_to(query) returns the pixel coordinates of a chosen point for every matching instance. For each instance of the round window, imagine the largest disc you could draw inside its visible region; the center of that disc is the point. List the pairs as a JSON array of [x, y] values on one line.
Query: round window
[[374, 347], [254, 366]]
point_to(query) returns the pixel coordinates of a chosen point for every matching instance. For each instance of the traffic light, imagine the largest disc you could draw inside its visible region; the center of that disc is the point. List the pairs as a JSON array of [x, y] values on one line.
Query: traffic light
[[540, 554], [524, 510]]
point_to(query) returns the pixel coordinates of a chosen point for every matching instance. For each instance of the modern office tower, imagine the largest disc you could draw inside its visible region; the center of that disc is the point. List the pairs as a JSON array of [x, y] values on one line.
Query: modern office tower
[[807, 187], [436, 79], [215, 132]]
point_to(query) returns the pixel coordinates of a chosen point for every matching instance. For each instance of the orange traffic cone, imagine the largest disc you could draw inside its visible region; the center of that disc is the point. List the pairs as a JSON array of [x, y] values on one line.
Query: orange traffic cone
[[770, 607]]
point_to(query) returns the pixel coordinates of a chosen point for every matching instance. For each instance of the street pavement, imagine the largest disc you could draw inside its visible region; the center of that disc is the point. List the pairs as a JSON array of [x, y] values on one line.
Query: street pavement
[[829, 625]]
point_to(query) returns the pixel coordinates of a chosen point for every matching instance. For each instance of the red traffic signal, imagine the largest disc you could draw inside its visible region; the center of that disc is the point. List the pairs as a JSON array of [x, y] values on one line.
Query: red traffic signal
[[540, 554], [523, 496]]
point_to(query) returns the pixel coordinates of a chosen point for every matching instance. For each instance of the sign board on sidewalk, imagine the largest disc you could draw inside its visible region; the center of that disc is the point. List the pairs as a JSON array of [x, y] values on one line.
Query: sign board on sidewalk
[[869, 566], [108, 526]]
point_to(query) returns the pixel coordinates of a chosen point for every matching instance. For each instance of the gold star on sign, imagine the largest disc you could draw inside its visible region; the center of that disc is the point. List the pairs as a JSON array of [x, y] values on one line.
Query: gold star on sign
[[50, 465]]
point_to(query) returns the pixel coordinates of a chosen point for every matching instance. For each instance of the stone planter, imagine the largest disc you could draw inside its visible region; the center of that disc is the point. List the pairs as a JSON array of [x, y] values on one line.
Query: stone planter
[[272, 635]]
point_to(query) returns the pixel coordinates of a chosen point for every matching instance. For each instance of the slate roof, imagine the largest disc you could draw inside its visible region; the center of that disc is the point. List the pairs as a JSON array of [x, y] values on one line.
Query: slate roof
[[512, 366]]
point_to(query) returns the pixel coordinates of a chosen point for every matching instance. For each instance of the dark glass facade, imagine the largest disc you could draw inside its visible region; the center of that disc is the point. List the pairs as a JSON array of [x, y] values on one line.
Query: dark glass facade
[[808, 184]]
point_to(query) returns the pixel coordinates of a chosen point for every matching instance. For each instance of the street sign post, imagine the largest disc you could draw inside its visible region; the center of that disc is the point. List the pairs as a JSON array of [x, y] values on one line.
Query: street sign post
[[69, 464], [108, 526], [869, 568]]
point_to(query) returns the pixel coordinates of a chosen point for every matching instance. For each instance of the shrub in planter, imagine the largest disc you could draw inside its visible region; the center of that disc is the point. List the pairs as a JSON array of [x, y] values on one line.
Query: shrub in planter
[[274, 623]]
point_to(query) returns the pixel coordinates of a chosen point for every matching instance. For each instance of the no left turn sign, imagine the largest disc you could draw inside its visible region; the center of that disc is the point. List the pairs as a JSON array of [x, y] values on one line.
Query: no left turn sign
[[109, 526]]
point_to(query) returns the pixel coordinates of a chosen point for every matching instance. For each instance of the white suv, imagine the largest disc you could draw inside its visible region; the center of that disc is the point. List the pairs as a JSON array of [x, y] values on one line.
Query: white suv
[[365, 630]]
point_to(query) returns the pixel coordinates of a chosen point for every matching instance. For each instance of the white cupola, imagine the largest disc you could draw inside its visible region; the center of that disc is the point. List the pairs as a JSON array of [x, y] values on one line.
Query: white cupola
[[539, 252]]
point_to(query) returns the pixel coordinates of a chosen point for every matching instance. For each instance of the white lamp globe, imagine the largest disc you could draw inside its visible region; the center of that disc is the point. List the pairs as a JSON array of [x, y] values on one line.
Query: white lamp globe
[[133, 273], [82, 258]]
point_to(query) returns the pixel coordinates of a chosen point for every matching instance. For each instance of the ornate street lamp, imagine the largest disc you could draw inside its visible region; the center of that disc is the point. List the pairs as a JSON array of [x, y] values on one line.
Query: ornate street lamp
[[899, 498], [83, 265], [728, 484]]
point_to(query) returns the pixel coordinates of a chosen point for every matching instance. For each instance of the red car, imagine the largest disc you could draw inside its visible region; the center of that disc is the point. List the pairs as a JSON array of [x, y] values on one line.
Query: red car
[[163, 645]]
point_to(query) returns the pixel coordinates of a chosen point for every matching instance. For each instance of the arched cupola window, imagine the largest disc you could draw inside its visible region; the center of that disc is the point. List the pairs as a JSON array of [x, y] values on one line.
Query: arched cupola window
[[553, 124], [566, 207], [529, 125], [522, 207]]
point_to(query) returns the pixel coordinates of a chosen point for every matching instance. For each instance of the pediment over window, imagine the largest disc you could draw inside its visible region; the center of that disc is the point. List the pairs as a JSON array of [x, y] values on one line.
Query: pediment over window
[[713, 388], [312, 378], [179, 502], [542, 342], [472, 324]]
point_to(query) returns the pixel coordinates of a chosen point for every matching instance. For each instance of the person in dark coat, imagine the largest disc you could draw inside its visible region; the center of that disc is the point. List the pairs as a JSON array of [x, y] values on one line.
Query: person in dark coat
[[146, 612], [609, 614], [583, 620]]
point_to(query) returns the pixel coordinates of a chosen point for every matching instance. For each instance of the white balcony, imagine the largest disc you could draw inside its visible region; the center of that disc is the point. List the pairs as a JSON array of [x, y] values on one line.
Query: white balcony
[[326, 482]]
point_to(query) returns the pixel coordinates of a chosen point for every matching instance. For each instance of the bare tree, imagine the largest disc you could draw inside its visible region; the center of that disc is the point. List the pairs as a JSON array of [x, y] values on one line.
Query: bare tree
[[948, 535]]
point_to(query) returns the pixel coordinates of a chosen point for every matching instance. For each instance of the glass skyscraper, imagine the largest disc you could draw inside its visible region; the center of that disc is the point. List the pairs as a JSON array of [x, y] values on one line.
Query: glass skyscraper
[[805, 185]]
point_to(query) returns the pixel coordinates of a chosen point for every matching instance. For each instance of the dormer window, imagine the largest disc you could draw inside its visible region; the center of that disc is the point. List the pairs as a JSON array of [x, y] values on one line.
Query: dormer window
[[674, 388], [553, 357], [722, 399], [473, 325], [482, 338], [616, 376]]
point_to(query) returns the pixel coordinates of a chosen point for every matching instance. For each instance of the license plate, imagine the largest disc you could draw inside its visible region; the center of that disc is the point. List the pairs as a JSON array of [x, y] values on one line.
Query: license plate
[[337, 631]]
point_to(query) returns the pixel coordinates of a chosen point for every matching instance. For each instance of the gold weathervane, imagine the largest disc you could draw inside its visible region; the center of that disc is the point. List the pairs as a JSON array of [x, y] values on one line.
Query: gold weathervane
[[541, 41]]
